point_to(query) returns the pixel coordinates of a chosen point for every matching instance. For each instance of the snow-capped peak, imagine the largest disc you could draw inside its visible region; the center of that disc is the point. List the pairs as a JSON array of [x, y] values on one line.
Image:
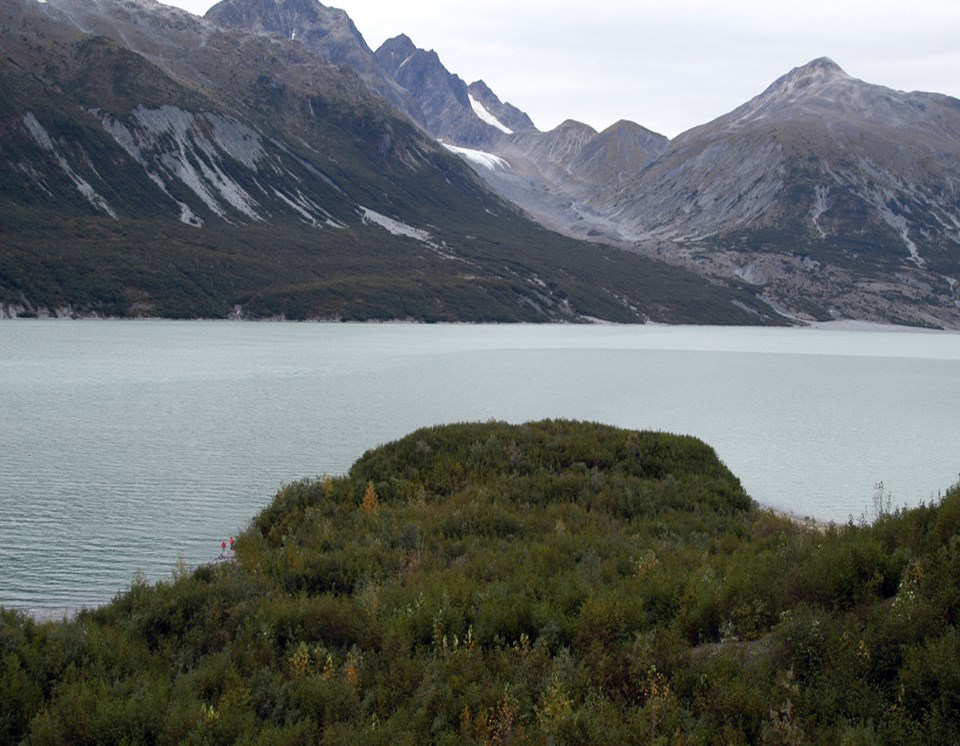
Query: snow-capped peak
[[487, 117]]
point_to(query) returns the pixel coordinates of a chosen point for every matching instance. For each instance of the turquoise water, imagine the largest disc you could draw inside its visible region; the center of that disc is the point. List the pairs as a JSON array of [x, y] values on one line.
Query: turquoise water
[[124, 445]]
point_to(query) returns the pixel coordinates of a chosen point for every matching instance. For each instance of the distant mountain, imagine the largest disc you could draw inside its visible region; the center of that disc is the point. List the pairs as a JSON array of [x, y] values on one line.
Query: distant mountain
[[553, 153], [618, 153], [555, 176], [155, 163], [839, 198], [411, 79], [833, 197], [824, 197]]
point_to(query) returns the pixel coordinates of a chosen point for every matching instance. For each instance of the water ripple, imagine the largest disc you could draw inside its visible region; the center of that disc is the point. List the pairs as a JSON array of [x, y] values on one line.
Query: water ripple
[[124, 446]]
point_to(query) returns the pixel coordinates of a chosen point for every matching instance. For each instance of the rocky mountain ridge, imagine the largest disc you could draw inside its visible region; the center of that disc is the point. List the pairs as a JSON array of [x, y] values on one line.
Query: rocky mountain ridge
[[329, 32], [830, 197], [155, 163], [442, 96], [835, 198]]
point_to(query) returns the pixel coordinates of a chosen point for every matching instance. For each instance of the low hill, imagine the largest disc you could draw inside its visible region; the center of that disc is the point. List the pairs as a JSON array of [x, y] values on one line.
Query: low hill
[[554, 582]]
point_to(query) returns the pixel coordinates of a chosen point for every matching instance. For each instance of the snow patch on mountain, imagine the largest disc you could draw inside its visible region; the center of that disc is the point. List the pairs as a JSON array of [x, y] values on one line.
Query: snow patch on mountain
[[392, 226], [485, 116], [480, 157]]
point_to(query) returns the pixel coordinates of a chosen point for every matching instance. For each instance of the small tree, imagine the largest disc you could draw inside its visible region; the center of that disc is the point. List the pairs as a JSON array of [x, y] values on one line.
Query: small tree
[[882, 502], [371, 503]]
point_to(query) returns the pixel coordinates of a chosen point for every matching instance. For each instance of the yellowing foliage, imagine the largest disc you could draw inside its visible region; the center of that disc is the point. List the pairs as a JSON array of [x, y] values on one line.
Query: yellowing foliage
[[371, 503]]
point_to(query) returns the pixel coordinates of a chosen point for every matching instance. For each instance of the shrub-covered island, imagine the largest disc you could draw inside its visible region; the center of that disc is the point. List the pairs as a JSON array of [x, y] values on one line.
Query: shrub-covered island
[[548, 583]]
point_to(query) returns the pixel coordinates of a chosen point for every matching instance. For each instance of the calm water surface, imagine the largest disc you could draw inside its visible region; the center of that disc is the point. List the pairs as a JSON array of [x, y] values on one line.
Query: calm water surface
[[126, 444]]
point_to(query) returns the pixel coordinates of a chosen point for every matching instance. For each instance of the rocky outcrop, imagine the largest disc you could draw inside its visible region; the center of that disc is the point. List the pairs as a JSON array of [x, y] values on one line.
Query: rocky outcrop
[[329, 32], [443, 97], [508, 117]]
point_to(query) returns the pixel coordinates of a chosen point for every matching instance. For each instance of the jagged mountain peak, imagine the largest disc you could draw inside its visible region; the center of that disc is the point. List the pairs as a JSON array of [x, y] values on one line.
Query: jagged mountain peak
[[822, 95], [394, 54], [327, 32], [465, 116], [401, 42], [508, 118], [480, 86]]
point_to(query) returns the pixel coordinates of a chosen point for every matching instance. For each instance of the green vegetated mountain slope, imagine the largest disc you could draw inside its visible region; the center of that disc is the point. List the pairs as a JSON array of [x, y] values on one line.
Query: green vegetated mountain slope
[[153, 163], [553, 582]]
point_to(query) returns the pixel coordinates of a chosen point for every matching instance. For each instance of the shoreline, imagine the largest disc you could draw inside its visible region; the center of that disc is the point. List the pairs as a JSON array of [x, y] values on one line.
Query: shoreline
[[8, 313]]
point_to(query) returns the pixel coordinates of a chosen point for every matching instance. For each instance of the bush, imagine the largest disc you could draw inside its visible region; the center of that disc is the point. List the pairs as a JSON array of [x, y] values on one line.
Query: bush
[[547, 582]]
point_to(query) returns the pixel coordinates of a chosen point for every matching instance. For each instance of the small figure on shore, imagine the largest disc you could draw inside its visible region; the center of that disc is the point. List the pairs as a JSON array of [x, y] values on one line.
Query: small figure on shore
[[225, 556]]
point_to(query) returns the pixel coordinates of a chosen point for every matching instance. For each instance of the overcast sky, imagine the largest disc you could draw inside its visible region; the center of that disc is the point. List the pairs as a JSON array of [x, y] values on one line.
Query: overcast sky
[[668, 65]]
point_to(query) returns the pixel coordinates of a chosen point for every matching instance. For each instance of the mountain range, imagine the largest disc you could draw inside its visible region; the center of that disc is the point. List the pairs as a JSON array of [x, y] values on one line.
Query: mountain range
[[153, 163], [833, 197], [264, 161]]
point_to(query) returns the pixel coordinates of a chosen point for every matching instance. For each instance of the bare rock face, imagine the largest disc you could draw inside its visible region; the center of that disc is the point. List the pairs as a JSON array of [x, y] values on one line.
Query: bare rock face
[[149, 110], [508, 117], [836, 196], [453, 112], [329, 32], [442, 96]]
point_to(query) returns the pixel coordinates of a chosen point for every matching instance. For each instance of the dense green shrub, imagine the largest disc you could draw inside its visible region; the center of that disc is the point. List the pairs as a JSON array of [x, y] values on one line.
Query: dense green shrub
[[553, 582]]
